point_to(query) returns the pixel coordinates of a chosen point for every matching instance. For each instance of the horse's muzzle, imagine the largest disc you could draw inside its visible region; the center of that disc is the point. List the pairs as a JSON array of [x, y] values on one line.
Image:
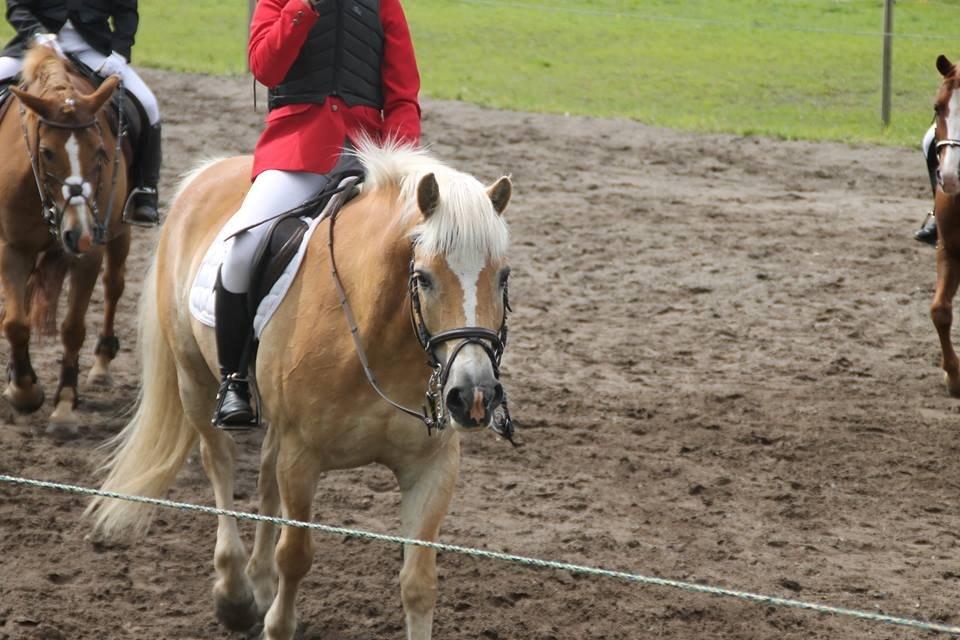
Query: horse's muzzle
[[76, 241], [472, 406]]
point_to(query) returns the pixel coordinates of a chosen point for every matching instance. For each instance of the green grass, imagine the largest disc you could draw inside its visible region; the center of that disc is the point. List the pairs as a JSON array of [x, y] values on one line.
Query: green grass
[[786, 68]]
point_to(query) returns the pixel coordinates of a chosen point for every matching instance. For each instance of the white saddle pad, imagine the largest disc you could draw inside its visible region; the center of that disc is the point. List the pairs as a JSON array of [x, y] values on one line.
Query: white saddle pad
[[202, 295]]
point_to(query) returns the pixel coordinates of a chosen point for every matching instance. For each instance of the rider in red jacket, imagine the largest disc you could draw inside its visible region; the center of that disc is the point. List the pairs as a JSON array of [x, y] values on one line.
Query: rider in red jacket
[[337, 71]]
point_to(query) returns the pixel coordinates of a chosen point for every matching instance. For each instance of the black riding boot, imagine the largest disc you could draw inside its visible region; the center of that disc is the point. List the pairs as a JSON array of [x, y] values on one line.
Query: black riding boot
[[234, 328], [144, 207], [927, 232]]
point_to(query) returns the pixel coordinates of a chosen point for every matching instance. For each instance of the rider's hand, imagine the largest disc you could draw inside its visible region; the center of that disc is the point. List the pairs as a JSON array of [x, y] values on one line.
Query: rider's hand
[[115, 63], [318, 5], [48, 40]]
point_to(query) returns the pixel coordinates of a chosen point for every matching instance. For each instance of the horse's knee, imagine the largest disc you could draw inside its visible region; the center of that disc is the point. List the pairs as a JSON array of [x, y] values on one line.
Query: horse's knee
[[942, 314], [418, 587], [113, 286], [294, 554], [16, 331]]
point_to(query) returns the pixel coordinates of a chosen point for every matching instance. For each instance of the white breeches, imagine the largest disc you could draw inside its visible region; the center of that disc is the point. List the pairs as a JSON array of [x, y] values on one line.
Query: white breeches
[[9, 67], [272, 193]]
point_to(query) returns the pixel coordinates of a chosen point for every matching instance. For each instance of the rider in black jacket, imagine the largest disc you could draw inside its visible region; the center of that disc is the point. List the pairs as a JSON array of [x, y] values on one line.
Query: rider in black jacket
[[82, 28]]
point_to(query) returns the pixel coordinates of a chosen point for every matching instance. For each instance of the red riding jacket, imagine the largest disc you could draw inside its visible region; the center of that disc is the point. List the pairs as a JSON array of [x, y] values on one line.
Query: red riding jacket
[[309, 137]]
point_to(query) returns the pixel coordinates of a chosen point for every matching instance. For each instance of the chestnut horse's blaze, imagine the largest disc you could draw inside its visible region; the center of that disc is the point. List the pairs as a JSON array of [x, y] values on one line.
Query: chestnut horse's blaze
[[321, 411]]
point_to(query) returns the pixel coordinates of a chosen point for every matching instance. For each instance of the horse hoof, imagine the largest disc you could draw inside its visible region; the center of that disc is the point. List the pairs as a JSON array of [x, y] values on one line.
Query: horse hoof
[[25, 400], [64, 423], [101, 380], [953, 386], [237, 615]]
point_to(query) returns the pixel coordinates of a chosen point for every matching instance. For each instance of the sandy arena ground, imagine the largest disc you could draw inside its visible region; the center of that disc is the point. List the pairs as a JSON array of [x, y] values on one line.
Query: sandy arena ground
[[723, 371]]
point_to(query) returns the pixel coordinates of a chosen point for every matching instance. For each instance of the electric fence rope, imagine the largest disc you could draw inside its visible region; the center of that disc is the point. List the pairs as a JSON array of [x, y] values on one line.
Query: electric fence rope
[[495, 555]]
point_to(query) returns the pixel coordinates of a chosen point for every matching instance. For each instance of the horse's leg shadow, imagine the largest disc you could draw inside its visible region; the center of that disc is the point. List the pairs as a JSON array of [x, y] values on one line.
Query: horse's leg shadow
[[114, 276], [941, 312], [64, 421], [23, 391], [232, 591], [426, 493]]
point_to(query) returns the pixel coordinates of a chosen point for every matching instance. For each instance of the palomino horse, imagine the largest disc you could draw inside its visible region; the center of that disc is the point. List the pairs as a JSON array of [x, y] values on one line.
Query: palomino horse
[[61, 173], [322, 413], [947, 211]]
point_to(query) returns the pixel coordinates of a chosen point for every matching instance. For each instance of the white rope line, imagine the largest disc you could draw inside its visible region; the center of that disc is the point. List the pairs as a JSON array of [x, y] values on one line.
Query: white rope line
[[495, 555], [703, 22]]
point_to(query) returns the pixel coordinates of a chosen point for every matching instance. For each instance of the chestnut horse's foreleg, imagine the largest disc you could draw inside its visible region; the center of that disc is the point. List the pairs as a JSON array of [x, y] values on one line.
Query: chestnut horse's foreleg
[[114, 276], [426, 494], [941, 312], [23, 391], [262, 567], [64, 420], [297, 480]]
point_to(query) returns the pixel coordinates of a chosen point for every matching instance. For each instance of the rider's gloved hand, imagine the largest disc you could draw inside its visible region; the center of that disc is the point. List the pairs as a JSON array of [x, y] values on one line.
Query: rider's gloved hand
[[320, 6], [48, 40], [115, 63]]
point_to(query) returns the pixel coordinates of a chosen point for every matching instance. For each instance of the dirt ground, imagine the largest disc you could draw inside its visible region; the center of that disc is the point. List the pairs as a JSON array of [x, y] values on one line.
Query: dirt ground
[[722, 368]]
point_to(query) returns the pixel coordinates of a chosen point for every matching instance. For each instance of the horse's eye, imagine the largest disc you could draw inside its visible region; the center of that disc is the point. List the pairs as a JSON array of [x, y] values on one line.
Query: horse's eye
[[423, 280], [48, 154]]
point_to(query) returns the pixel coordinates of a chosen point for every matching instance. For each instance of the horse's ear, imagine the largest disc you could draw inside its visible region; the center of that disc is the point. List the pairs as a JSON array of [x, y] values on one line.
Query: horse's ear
[[944, 66], [96, 100], [500, 194], [35, 103], [428, 195]]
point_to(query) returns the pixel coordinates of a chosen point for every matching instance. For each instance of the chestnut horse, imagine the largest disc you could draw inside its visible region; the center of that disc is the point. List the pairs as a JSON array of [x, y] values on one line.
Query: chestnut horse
[[322, 412], [947, 212], [59, 170]]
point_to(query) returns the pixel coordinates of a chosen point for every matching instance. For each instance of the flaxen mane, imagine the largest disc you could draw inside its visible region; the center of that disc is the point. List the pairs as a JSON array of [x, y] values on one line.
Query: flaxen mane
[[465, 223]]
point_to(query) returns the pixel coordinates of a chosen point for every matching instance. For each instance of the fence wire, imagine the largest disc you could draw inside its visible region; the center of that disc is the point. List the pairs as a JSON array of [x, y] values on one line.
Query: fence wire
[[758, 598]]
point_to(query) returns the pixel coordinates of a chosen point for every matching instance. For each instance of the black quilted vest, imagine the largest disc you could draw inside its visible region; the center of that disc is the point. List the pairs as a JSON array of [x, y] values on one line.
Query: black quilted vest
[[341, 57]]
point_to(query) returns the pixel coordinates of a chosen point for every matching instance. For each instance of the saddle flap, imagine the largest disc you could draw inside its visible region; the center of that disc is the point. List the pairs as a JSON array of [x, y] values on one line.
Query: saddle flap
[[276, 250]]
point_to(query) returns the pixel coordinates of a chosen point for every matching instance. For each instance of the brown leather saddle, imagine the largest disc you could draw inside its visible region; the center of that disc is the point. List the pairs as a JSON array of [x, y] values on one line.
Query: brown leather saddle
[[286, 232]]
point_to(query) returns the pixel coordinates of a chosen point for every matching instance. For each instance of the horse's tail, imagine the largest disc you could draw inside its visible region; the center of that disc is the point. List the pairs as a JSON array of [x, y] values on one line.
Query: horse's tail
[[145, 457], [43, 290]]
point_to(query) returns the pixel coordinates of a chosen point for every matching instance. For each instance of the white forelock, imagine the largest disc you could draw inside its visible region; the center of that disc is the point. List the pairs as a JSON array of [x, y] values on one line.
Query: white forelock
[[464, 224]]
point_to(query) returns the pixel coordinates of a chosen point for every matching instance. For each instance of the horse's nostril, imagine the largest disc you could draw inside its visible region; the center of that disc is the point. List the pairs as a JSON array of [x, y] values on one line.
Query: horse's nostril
[[71, 238], [456, 402]]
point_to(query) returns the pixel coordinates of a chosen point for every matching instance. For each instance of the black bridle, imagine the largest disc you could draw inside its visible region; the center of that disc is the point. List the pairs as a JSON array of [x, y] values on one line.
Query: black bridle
[[51, 211], [434, 413]]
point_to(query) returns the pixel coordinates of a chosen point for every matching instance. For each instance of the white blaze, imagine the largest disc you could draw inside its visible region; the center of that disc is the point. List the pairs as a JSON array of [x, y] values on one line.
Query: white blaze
[[76, 177], [468, 273], [951, 158]]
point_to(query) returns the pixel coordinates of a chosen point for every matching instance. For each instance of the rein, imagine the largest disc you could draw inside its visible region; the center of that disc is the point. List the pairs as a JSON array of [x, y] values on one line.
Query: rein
[[433, 414], [53, 213]]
